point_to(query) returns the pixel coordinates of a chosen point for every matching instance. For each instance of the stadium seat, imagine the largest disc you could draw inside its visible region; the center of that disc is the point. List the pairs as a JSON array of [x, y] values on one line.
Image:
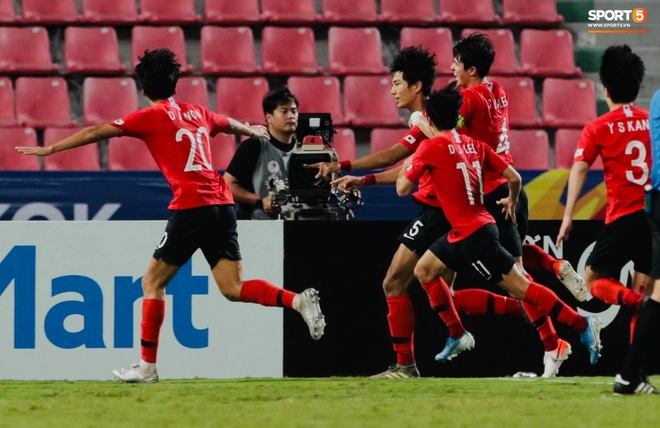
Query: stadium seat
[[7, 12], [43, 102], [237, 55], [49, 12], [129, 154], [299, 12], [115, 12], [384, 138], [546, 53], [438, 40], [25, 50], [369, 103], [355, 51], [532, 13], [193, 90], [10, 159], [397, 12], [223, 147], [568, 103], [145, 37], [278, 56], [172, 12], [7, 105], [566, 140], [232, 12], [231, 102], [84, 158], [505, 49], [344, 144], [108, 98], [474, 12], [321, 94], [529, 149], [349, 12], [92, 50], [522, 101]]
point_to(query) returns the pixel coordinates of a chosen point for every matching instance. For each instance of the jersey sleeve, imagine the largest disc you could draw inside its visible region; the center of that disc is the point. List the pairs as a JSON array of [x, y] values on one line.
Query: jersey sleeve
[[465, 113], [137, 124], [416, 169], [217, 122], [413, 138], [587, 149], [244, 162]]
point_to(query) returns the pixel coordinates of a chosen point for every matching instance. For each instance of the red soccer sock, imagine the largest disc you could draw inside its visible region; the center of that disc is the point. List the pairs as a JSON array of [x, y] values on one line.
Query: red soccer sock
[[534, 257], [401, 320], [475, 301], [633, 324], [441, 302], [266, 294], [153, 312], [543, 324], [548, 303], [615, 293]]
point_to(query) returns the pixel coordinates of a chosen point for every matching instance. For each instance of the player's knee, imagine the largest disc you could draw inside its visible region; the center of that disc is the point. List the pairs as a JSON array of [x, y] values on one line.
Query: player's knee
[[423, 273], [230, 291]]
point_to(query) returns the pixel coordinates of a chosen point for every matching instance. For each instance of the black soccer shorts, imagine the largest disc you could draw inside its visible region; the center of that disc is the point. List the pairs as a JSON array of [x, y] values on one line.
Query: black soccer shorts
[[430, 225]]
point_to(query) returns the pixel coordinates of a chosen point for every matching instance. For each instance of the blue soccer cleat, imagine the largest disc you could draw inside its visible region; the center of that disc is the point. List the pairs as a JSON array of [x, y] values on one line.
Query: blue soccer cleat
[[453, 347]]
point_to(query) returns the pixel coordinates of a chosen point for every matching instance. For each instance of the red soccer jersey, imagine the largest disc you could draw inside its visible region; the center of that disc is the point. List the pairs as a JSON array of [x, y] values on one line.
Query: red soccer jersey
[[455, 163], [621, 138], [177, 135], [485, 113], [425, 190]]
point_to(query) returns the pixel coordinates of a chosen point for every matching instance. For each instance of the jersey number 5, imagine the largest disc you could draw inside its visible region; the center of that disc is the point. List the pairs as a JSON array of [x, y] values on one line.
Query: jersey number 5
[[196, 143]]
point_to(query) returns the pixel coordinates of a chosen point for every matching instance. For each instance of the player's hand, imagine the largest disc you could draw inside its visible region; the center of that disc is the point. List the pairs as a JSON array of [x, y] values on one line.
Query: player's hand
[[35, 151], [508, 208], [267, 205], [425, 127], [259, 131], [348, 183], [325, 168], [564, 230]]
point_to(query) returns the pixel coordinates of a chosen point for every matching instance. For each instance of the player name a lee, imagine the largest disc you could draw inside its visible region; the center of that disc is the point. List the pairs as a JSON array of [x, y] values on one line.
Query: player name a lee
[[629, 126]]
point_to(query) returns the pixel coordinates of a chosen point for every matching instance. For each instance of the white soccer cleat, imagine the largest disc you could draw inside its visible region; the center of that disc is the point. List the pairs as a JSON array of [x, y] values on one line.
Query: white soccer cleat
[[553, 359], [135, 374], [571, 280], [399, 371], [307, 303]]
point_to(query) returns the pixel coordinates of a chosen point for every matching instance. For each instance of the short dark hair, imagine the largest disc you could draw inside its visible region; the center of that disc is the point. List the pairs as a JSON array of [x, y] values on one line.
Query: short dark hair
[[475, 50], [277, 97], [443, 105], [621, 72], [157, 73], [416, 64]]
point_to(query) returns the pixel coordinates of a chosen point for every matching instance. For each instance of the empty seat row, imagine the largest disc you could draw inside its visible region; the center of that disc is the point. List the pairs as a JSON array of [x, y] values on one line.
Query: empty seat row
[[231, 50], [419, 12]]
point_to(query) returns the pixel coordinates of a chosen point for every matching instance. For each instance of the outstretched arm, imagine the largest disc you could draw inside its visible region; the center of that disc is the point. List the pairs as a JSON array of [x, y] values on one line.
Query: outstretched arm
[[252, 131], [380, 159], [88, 135]]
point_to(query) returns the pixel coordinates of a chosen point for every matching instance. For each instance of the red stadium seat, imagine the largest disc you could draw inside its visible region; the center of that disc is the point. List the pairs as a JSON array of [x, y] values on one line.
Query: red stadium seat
[[568, 103], [299, 12], [172, 12], [546, 53], [223, 147], [355, 51], [418, 12], [84, 158], [49, 12], [115, 12], [92, 50], [193, 90], [10, 159], [522, 101], [505, 49], [7, 105], [144, 37], [7, 12], [566, 141], [229, 101], [129, 154], [529, 149], [232, 12], [108, 98], [43, 102], [436, 40], [344, 144], [525, 12], [278, 57], [474, 12], [227, 50], [369, 103], [349, 12], [25, 50], [320, 94], [384, 138]]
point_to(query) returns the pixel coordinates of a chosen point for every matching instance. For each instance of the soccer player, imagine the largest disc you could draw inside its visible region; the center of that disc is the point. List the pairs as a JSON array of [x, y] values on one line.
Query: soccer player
[[202, 211], [633, 379], [621, 138], [457, 165]]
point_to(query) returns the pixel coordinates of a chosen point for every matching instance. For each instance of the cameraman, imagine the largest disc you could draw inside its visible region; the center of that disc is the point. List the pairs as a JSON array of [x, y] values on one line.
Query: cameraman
[[258, 159]]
